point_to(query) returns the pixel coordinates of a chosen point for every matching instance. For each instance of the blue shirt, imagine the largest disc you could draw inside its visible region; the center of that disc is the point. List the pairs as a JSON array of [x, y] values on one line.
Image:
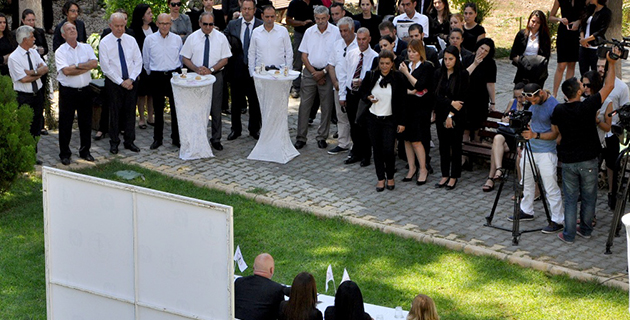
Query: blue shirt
[[541, 122]]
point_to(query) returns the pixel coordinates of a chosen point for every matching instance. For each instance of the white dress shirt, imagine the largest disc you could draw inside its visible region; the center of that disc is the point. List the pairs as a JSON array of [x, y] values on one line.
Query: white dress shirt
[[161, 53], [260, 50], [110, 61], [341, 49], [418, 18], [18, 62], [195, 44], [349, 66], [319, 45], [66, 56], [251, 29]]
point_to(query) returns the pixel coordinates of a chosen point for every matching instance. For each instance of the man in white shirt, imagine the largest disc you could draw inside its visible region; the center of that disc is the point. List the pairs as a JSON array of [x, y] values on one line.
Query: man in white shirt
[[74, 61], [316, 48], [206, 52], [121, 62], [260, 52], [357, 62], [409, 17], [26, 68], [347, 42], [160, 55]]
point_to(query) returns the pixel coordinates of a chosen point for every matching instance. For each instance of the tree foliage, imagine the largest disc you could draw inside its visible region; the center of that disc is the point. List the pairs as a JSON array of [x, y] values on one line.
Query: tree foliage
[[157, 7], [484, 7]]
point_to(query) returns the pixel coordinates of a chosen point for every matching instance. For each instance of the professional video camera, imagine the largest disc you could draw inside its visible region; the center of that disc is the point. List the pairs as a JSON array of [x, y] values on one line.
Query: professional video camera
[[519, 119], [624, 119], [606, 46]]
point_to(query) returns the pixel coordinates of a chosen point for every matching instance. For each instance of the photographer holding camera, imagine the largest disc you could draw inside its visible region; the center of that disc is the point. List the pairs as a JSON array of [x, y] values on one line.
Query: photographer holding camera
[[579, 147], [542, 143]]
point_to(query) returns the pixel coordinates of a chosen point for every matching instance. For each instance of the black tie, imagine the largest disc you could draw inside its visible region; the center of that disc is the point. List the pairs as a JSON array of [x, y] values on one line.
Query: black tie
[[206, 53], [30, 65], [123, 61], [246, 42]]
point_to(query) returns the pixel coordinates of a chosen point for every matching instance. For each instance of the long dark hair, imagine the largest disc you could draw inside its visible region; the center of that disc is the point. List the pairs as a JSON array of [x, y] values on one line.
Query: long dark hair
[[349, 302], [136, 18], [490, 43], [543, 31], [446, 13], [7, 32], [303, 298], [595, 80], [455, 80]]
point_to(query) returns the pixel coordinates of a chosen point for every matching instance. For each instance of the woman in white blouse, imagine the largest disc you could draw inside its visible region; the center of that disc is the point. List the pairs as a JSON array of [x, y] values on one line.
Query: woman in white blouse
[[530, 42]]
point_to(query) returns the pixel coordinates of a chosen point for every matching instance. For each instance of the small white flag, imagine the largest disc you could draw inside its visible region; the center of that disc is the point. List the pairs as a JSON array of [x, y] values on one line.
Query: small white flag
[[329, 277], [345, 277], [238, 257]]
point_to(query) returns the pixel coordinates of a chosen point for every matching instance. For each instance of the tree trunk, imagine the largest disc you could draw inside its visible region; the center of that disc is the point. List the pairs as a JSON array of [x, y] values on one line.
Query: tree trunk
[[36, 6], [614, 30]]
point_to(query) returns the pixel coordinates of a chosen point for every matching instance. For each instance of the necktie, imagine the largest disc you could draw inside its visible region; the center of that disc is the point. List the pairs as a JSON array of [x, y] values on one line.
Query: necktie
[[206, 52], [123, 62], [357, 72], [246, 42], [30, 66]]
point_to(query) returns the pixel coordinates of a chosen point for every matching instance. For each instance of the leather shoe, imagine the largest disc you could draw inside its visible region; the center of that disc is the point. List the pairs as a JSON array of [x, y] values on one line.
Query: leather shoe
[[113, 149], [156, 144], [39, 162], [255, 135], [244, 111], [217, 145], [365, 162], [351, 160], [299, 144], [87, 157], [322, 144], [97, 137], [65, 161], [132, 147], [177, 144], [233, 135]]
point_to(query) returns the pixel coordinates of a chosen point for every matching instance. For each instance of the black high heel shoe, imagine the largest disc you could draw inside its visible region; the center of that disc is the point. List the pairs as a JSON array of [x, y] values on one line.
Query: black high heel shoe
[[421, 182], [388, 186], [380, 189], [405, 179], [442, 185], [453, 186]]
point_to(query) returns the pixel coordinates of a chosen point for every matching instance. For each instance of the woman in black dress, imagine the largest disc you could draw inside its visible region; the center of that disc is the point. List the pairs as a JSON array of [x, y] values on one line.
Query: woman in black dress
[[384, 90], [568, 37], [473, 31], [440, 21], [481, 91], [593, 26], [72, 11], [348, 304], [452, 85], [369, 20], [142, 25], [302, 300], [419, 102], [531, 42], [7, 45]]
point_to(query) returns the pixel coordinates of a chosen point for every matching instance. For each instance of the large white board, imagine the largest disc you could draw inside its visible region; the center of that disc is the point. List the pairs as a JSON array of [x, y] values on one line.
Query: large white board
[[117, 251]]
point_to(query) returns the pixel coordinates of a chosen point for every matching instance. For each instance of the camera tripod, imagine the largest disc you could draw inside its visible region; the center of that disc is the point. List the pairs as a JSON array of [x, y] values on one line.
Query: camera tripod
[[518, 193], [621, 196]]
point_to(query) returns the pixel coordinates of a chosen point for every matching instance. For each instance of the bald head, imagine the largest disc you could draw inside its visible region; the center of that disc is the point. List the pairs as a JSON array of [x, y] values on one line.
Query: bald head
[[264, 265]]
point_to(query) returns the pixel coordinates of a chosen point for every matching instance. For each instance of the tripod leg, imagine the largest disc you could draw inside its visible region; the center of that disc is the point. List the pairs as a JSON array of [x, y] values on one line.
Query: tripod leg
[[494, 206], [622, 197]]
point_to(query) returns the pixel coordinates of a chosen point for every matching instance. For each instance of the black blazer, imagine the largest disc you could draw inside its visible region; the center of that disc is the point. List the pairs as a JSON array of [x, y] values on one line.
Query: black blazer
[[520, 43], [236, 65], [399, 92], [431, 53], [444, 96], [257, 298], [599, 23], [139, 34], [58, 40]]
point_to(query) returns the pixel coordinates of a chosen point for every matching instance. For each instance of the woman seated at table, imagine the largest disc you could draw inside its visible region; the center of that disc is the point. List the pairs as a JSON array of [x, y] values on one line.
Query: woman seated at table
[[348, 304], [384, 91], [422, 308], [302, 300]]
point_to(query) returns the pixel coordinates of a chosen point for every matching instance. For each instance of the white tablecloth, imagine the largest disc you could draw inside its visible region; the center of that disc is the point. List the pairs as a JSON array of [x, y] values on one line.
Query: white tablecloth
[[325, 301], [274, 143], [193, 99]]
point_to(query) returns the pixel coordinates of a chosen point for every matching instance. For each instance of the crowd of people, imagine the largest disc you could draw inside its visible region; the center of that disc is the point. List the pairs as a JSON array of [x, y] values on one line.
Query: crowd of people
[[383, 79], [257, 297]]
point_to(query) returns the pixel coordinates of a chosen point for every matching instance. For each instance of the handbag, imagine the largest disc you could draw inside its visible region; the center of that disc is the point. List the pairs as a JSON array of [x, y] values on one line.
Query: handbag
[[362, 110]]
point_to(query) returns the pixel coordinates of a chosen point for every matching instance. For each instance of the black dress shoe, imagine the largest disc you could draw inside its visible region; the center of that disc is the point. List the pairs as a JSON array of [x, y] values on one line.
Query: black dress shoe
[[156, 144], [322, 144], [39, 162], [44, 132], [255, 135], [113, 149], [177, 144], [233, 135], [131, 147], [351, 160], [299, 144], [217, 145], [365, 162], [244, 111], [65, 161], [87, 157]]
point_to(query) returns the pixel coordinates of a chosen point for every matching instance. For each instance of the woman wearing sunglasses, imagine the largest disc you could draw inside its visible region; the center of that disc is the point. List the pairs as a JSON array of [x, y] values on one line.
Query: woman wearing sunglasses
[[181, 22]]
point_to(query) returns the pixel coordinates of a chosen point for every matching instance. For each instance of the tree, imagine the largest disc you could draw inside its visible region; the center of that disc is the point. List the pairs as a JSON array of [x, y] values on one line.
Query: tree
[[614, 30]]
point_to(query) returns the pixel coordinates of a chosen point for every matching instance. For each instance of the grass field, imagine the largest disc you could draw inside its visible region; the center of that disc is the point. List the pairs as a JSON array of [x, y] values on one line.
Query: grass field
[[390, 270]]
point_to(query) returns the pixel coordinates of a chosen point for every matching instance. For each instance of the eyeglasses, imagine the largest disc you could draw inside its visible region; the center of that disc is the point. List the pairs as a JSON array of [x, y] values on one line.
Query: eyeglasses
[[73, 10], [207, 24], [176, 4], [587, 85], [531, 94]]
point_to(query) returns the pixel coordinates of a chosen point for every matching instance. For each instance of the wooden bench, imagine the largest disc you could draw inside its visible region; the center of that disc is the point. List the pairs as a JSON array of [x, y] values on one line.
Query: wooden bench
[[483, 149]]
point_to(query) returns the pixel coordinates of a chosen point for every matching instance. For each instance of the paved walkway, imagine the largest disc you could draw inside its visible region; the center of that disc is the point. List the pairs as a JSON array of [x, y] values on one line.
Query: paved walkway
[[321, 183]]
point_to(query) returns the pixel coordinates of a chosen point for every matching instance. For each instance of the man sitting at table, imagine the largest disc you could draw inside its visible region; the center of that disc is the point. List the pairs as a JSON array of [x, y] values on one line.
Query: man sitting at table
[[257, 297]]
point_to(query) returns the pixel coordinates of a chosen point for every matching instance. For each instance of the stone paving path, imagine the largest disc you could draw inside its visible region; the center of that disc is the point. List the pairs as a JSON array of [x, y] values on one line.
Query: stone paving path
[[321, 183]]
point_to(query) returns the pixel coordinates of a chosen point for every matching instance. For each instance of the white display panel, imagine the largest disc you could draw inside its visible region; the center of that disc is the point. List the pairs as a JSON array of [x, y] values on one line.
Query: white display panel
[[117, 251]]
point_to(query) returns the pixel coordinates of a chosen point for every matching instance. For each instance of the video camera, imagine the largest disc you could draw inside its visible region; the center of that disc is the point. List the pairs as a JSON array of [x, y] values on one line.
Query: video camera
[[624, 120], [519, 119], [605, 46]]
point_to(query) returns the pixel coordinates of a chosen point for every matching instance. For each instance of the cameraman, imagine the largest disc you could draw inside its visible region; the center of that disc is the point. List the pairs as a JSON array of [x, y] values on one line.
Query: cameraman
[[578, 150], [542, 143]]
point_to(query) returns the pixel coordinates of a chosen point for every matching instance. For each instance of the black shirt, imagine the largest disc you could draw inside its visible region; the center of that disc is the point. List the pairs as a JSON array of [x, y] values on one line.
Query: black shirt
[[576, 123], [372, 25], [6, 47], [301, 11], [471, 35]]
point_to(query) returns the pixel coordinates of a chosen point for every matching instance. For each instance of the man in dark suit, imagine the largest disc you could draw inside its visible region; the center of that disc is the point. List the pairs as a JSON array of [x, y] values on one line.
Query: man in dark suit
[[422, 6], [239, 33], [257, 297], [387, 28]]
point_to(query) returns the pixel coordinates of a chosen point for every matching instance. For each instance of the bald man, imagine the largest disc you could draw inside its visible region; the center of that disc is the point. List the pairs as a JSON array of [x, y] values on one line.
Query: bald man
[[257, 297]]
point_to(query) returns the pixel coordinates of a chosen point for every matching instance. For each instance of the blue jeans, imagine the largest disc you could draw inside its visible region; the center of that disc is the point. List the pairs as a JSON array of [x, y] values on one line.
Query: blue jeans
[[579, 178]]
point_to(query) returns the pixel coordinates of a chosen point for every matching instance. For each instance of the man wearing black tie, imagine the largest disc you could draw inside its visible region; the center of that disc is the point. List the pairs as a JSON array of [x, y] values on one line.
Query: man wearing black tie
[[239, 34], [121, 62], [26, 68]]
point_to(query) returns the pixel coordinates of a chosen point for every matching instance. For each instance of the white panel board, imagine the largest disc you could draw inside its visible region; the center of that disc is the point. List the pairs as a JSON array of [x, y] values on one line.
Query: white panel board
[[116, 251]]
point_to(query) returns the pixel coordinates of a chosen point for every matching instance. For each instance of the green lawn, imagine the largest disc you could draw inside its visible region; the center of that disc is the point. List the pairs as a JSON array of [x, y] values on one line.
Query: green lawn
[[390, 270]]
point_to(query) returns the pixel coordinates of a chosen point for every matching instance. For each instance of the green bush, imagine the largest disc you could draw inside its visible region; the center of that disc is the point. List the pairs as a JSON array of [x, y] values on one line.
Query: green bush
[[17, 146], [94, 40], [484, 7], [157, 7]]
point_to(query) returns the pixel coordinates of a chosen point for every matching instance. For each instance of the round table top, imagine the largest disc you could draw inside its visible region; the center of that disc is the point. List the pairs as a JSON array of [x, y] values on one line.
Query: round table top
[[193, 80], [272, 75]]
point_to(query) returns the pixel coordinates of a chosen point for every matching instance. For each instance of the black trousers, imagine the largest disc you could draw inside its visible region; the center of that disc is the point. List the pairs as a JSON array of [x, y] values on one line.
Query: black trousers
[[35, 102], [243, 88], [450, 150], [47, 7], [361, 147], [382, 131], [122, 106], [587, 60], [160, 82], [73, 100]]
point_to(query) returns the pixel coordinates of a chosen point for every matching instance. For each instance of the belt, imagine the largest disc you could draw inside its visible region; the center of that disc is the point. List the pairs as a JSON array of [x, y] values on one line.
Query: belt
[[380, 117], [27, 93], [75, 89], [318, 69], [166, 73]]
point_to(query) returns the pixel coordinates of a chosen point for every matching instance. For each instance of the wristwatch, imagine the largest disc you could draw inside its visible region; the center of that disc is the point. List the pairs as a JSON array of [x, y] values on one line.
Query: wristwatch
[[537, 135], [450, 115], [211, 70], [35, 71], [325, 71], [76, 65]]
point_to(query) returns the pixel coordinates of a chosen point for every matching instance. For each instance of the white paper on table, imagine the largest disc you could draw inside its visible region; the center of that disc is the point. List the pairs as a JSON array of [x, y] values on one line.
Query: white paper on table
[[238, 257], [329, 277]]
